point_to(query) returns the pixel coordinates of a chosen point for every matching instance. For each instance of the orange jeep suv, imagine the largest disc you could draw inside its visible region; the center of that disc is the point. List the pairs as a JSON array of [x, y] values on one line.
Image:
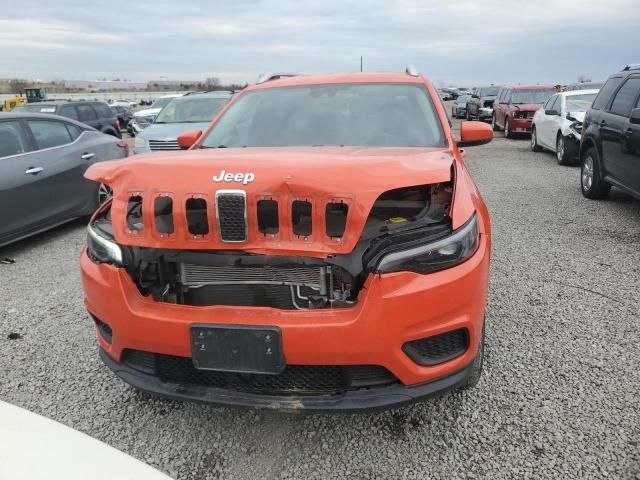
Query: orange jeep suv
[[321, 246]]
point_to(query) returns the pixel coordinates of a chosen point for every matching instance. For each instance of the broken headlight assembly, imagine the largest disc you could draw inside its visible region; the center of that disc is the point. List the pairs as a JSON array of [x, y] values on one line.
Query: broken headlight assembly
[[101, 246], [440, 254]]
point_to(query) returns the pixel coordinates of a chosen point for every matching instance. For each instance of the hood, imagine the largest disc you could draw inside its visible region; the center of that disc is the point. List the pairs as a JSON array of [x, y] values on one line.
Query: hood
[[146, 112], [352, 175], [527, 107], [169, 131]]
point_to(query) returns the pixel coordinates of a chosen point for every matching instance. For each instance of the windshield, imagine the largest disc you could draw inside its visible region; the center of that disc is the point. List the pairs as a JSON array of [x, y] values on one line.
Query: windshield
[[489, 91], [323, 115], [161, 102], [463, 99], [531, 96], [580, 103], [192, 109]]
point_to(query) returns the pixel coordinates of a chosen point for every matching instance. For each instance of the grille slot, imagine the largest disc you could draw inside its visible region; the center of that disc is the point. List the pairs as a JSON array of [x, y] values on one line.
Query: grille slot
[[135, 220], [268, 222], [438, 348], [105, 330], [163, 214], [197, 275], [336, 219], [231, 212], [155, 145], [294, 380], [301, 217], [197, 222]]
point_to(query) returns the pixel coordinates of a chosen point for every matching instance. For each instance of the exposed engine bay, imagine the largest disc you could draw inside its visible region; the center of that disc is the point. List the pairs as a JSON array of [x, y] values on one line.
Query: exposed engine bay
[[399, 218]]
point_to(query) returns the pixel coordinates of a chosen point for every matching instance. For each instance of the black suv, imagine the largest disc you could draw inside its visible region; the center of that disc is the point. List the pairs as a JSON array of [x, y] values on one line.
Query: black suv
[[610, 144], [93, 113], [480, 107]]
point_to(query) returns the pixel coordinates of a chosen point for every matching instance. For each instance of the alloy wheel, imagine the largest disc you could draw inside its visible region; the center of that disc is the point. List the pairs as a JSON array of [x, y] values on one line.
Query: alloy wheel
[[104, 193], [587, 173]]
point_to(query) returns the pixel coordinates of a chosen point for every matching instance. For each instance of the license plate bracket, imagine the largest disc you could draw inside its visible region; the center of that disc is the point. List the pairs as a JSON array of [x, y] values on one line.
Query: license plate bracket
[[237, 348]]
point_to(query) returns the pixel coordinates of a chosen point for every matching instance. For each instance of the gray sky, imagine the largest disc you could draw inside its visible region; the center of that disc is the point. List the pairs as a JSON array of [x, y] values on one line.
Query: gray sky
[[464, 42]]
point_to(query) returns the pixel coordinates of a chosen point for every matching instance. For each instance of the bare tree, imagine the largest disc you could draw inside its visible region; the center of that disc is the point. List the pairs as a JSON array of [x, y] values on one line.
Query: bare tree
[[17, 85], [212, 83], [583, 79]]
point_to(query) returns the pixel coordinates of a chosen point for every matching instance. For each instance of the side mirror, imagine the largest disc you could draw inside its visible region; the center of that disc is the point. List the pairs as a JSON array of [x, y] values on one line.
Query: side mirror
[[474, 133], [188, 138], [552, 112], [635, 116]]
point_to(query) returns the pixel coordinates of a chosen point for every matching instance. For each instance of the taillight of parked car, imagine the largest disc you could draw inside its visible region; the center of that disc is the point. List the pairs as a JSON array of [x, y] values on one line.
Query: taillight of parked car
[[124, 145]]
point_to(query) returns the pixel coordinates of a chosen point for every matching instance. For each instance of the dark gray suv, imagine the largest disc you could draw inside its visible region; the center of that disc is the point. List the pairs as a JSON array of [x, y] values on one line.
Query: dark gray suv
[[90, 112]]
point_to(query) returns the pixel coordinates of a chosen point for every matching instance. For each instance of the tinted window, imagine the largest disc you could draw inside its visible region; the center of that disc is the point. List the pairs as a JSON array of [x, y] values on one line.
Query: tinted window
[[103, 110], [86, 113], [73, 131], [521, 97], [69, 111], [605, 94], [191, 109], [488, 91], [556, 103], [626, 97], [11, 141], [548, 103], [49, 133], [323, 115]]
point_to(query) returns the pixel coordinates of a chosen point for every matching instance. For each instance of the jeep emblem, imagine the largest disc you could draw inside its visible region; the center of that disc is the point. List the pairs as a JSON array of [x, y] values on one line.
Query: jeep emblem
[[243, 178]]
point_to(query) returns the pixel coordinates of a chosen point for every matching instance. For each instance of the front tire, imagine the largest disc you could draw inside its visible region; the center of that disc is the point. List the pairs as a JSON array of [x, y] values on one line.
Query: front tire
[[534, 141], [561, 151], [591, 182], [507, 129]]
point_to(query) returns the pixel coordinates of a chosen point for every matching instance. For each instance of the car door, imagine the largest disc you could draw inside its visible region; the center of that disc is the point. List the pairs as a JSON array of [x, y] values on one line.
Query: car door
[[24, 202], [497, 105], [63, 157], [631, 148], [614, 124], [552, 121], [504, 107], [541, 119]]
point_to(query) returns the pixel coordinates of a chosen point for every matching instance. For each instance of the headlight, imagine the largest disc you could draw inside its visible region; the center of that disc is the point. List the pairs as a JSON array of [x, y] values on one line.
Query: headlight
[[444, 253], [139, 142], [102, 249]]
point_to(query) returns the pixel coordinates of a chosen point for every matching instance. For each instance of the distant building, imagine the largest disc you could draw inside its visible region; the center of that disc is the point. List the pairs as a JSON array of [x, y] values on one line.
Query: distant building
[[104, 85]]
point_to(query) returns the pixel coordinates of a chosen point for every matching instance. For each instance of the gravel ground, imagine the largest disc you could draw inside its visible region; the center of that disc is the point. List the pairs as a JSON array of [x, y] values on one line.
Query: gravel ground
[[559, 397]]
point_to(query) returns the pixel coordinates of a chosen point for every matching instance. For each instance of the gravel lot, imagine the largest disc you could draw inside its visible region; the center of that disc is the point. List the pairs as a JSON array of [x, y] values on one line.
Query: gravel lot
[[560, 396]]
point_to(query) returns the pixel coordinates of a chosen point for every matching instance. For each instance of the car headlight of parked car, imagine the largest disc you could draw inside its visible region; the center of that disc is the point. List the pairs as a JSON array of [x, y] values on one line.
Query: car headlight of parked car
[[101, 247], [438, 255]]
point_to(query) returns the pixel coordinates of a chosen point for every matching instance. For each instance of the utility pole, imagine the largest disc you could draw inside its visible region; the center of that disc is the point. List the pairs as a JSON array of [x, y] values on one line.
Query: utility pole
[[360, 62]]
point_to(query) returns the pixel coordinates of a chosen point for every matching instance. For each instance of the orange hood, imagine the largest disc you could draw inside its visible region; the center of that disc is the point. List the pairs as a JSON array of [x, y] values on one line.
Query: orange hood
[[353, 175]]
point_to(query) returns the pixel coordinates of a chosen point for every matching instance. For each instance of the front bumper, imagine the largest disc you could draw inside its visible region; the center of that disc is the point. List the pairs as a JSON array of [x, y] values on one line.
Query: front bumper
[[392, 309], [376, 399], [485, 113], [521, 125]]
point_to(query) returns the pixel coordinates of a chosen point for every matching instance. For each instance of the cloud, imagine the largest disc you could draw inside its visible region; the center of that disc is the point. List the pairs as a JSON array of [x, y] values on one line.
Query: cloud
[[463, 41]]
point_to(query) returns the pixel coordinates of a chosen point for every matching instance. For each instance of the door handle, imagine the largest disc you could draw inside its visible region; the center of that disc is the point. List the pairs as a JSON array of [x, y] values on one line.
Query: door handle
[[87, 156], [603, 123], [33, 170], [628, 132]]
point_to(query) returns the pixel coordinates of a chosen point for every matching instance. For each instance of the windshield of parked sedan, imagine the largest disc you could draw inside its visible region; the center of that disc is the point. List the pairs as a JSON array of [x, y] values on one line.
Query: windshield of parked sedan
[[489, 91], [580, 103], [531, 96], [330, 115], [192, 109]]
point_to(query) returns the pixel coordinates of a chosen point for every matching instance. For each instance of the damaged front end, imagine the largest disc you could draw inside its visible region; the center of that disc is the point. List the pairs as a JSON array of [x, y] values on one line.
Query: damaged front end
[[401, 225]]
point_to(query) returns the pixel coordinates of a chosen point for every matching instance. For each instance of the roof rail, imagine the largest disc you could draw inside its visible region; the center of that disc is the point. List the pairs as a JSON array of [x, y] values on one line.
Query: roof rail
[[267, 77], [632, 66], [411, 70]]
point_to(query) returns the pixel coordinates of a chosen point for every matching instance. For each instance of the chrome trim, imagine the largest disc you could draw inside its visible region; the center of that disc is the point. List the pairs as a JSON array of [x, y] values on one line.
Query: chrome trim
[[246, 225]]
